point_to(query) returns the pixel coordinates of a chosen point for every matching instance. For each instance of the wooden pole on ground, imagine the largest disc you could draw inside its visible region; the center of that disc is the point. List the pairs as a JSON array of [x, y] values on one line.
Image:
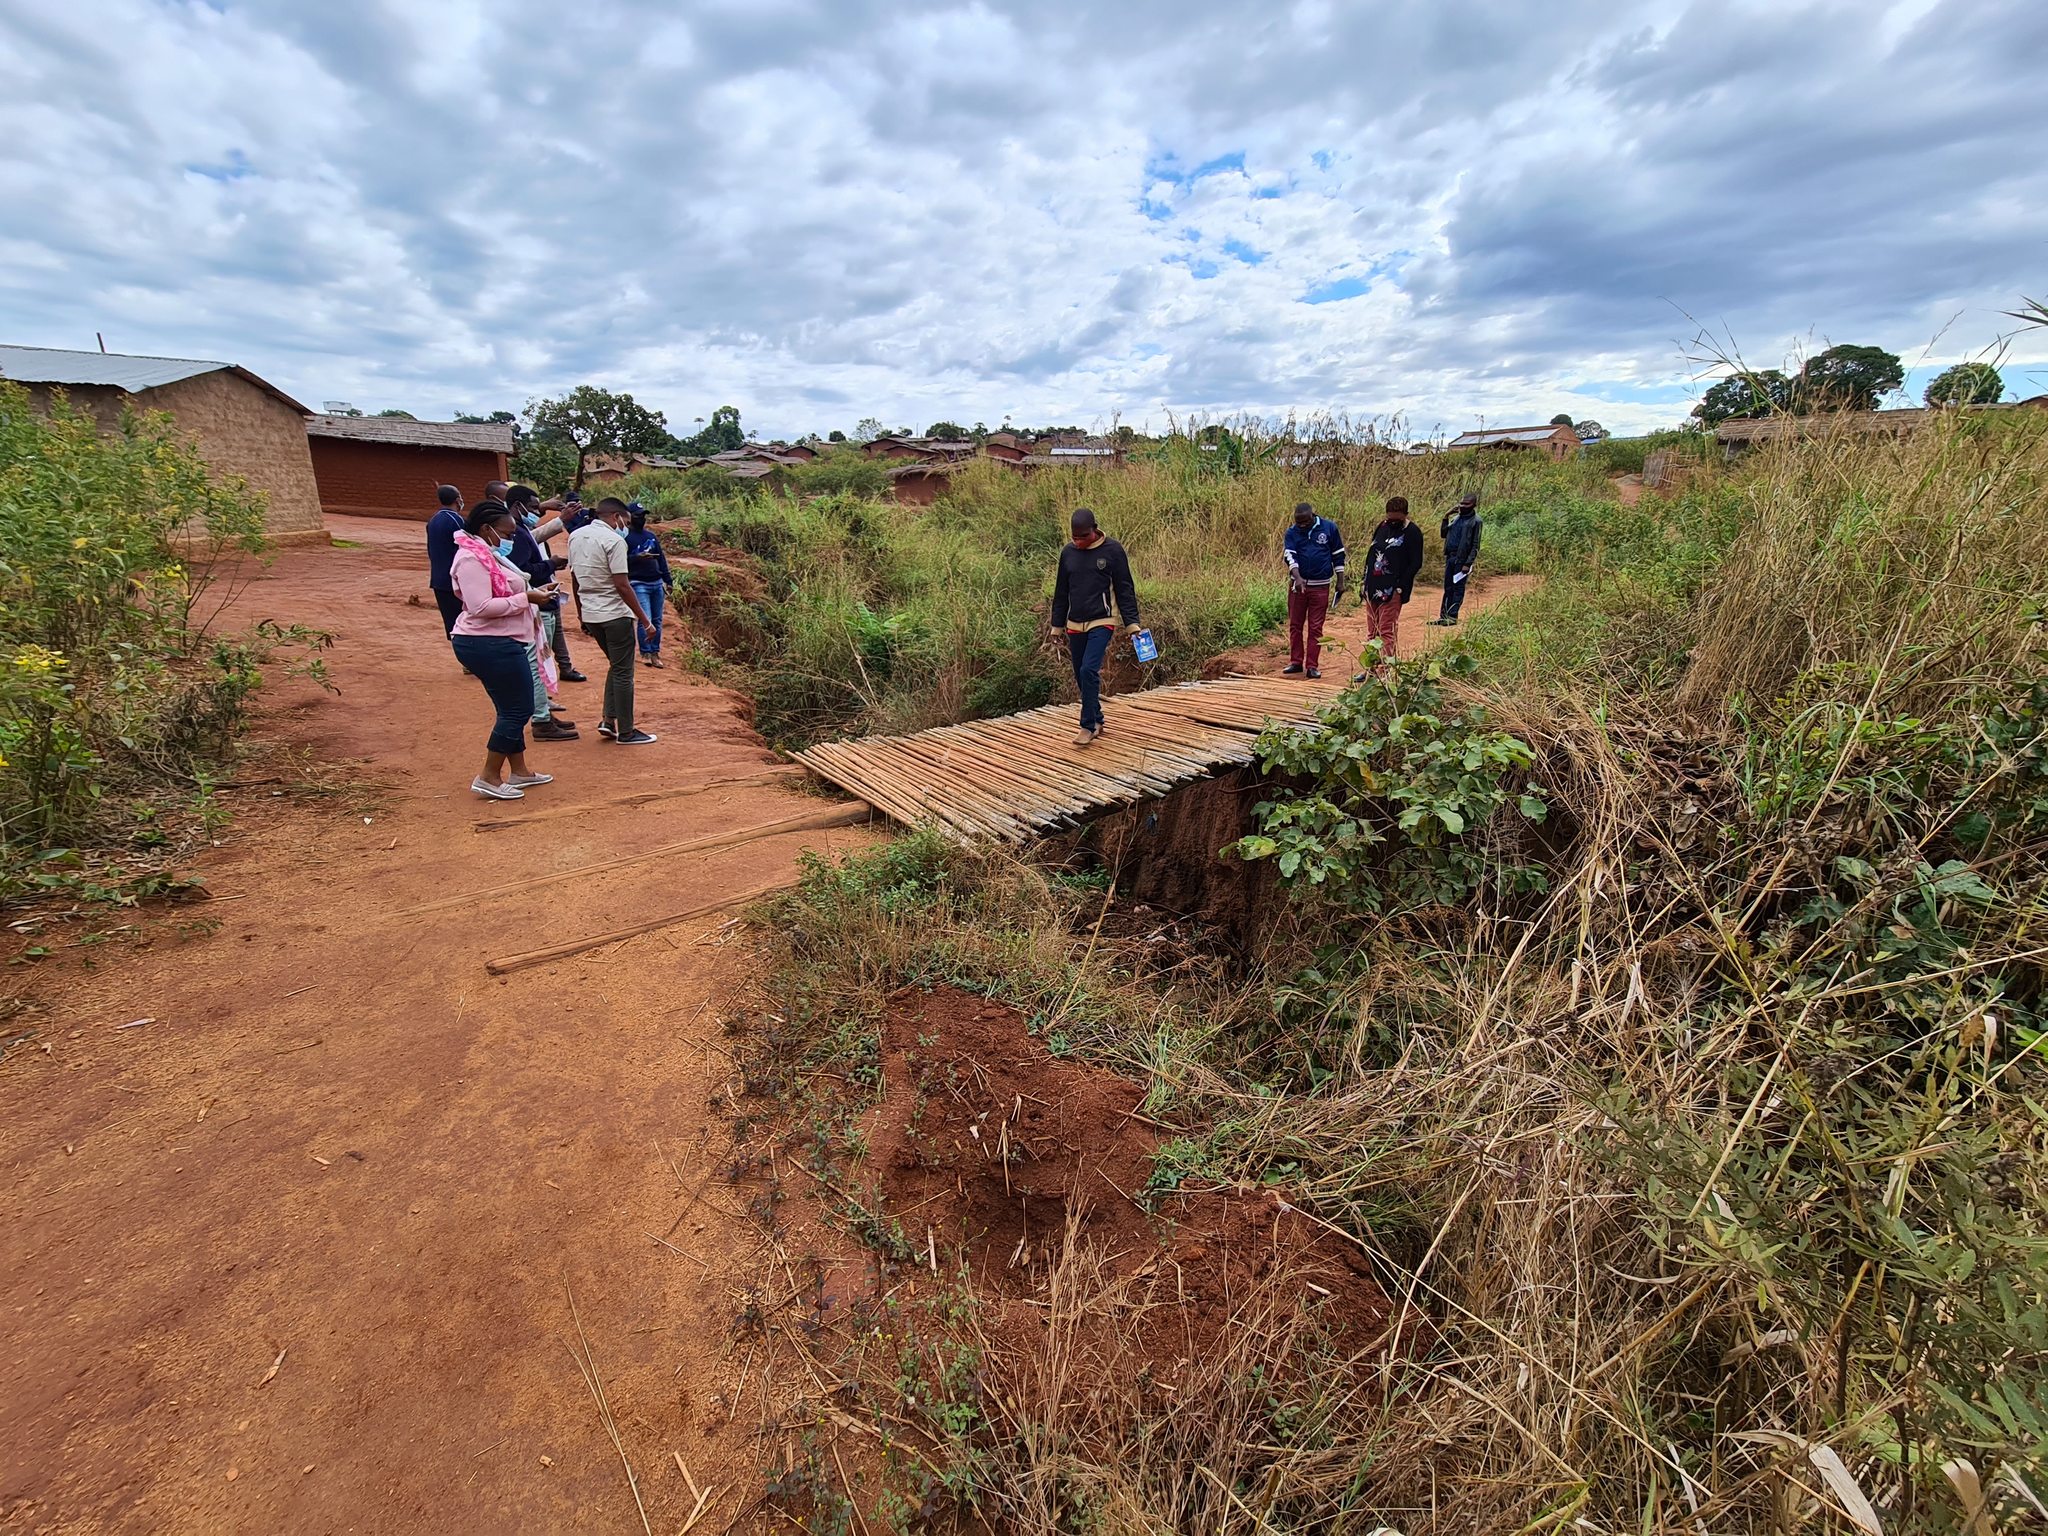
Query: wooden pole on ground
[[809, 821], [562, 951], [585, 807]]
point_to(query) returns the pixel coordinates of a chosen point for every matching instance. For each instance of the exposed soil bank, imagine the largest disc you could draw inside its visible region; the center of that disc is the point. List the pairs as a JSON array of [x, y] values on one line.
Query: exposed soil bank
[[988, 1148], [1167, 855]]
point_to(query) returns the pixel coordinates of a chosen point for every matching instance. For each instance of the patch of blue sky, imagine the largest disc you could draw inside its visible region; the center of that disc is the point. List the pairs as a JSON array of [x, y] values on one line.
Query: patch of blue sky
[[1251, 256], [1168, 168], [1338, 289], [1200, 267], [233, 168]]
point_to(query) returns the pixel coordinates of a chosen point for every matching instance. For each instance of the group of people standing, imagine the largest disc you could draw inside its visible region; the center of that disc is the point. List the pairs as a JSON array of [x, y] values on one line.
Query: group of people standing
[[1314, 552], [500, 597], [1093, 589]]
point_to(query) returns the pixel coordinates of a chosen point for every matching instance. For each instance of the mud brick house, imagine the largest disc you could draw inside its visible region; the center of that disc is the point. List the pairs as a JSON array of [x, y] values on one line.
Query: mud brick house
[[1558, 442], [387, 466], [1005, 445], [920, 482], [240, 424]]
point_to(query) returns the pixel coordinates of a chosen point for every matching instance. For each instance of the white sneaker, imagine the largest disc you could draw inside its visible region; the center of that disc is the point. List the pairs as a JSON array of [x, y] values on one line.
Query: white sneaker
[[528, 780], [497, 791]]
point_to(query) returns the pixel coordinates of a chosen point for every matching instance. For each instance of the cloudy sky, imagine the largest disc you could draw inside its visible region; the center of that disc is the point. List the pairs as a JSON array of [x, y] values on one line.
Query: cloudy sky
[[1459, 210]]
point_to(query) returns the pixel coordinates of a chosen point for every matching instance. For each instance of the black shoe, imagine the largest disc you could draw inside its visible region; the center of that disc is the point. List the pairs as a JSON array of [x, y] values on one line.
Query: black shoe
[[1358, 677], [1315, 671], [1290, 670], [638, 738], [606, 729], [573, 676]]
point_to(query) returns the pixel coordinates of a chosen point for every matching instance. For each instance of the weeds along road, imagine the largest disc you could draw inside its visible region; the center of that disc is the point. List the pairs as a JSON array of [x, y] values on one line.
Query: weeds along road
[[344, 1150]]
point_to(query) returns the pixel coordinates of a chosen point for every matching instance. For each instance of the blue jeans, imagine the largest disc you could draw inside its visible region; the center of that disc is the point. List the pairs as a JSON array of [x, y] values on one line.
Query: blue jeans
[[1088, 649], [653, 597], [543, 708], [505, 667]]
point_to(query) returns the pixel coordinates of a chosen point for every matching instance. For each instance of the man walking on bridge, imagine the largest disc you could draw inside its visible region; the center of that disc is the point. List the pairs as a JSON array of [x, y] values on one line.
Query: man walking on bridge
[[1314, 551], [1093, 570]]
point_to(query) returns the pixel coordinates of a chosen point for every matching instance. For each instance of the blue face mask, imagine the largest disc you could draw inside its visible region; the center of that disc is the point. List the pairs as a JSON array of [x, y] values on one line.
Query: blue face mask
[[532, 519], [505, 548]]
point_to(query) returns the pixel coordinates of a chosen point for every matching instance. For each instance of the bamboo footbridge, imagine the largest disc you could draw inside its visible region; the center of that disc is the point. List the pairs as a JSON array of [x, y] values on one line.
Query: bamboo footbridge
[[1020, 776]]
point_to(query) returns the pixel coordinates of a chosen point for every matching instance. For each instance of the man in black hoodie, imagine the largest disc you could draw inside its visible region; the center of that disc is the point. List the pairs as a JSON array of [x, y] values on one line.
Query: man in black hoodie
[[1461, 528], [1093, 570], [1391, 566]]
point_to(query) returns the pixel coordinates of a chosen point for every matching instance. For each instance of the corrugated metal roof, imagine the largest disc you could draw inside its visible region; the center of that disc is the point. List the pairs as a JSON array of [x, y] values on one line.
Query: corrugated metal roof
[[50, 365], [482, 436], [117, 370], [1504, 435]]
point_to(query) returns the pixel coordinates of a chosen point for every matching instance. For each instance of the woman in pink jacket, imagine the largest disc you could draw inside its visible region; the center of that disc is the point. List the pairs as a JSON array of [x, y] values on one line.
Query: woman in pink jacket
[[492, 639]]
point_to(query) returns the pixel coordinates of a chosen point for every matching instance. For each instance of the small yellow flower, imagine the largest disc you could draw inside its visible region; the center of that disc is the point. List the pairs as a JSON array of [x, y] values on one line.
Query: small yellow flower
[[78, 543], [36, 658]]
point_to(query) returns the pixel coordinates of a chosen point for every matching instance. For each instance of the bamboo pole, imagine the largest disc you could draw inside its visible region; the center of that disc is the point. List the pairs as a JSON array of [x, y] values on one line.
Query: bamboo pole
[[809, 821], [519, 962]]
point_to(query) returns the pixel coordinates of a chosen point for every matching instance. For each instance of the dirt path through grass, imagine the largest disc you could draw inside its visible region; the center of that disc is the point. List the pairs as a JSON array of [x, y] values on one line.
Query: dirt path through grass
[[341, 1149], [1344, 635]]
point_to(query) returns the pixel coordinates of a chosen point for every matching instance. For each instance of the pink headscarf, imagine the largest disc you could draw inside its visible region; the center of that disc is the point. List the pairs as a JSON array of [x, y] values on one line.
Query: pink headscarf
[[501, 579]]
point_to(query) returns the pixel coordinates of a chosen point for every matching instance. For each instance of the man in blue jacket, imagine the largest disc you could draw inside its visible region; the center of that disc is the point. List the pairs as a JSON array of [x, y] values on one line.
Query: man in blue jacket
[[441, 530], [1314, 551], [1461, 530]]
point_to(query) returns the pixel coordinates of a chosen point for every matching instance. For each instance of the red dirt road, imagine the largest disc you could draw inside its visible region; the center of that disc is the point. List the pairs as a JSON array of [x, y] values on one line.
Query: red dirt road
[[342, 1142]]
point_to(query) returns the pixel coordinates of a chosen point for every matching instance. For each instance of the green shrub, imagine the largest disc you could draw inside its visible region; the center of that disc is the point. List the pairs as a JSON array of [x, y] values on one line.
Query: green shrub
[[119, 553]]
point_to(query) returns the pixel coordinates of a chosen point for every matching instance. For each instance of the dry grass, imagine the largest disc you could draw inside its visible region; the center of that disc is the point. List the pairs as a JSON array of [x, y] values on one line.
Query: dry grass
[[1707, 1180]]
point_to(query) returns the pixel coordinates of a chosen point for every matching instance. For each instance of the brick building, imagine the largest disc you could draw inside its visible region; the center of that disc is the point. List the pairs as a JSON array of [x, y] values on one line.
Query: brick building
[[240, 424], [387, 466], [1557, 442]]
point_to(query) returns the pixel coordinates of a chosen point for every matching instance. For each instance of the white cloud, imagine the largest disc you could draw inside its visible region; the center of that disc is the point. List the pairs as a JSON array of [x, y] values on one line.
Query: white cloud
[[1060, 213]]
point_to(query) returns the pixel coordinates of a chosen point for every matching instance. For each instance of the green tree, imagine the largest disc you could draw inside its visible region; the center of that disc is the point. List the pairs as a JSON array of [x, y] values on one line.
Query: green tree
[[545, 461], [1966, 384], [1743, 396], [721, 434], [496, 418], [835, 436], [867, 429], [1847, 378], [396, 414], [1561, 419], [1590, 431], [946, 432], [594, 420]]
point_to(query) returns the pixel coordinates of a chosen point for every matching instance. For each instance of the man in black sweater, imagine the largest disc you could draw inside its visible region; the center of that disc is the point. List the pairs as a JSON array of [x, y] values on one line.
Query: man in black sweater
[[1391, 566], [1461, 530], [1093, 570]]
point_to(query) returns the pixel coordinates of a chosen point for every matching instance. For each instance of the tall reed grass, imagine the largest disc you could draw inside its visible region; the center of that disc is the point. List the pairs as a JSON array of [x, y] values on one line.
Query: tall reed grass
[[884, 617], [1708, 1174]]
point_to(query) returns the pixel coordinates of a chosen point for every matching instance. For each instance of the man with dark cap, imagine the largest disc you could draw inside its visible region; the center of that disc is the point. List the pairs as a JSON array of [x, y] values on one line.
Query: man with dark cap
[[1314, 552], [441, 530], [1093, 571], [1461, 528]]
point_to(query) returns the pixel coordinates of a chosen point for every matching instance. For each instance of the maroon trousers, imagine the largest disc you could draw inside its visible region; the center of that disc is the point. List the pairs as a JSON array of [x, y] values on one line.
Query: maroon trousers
[[1307, 607]]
